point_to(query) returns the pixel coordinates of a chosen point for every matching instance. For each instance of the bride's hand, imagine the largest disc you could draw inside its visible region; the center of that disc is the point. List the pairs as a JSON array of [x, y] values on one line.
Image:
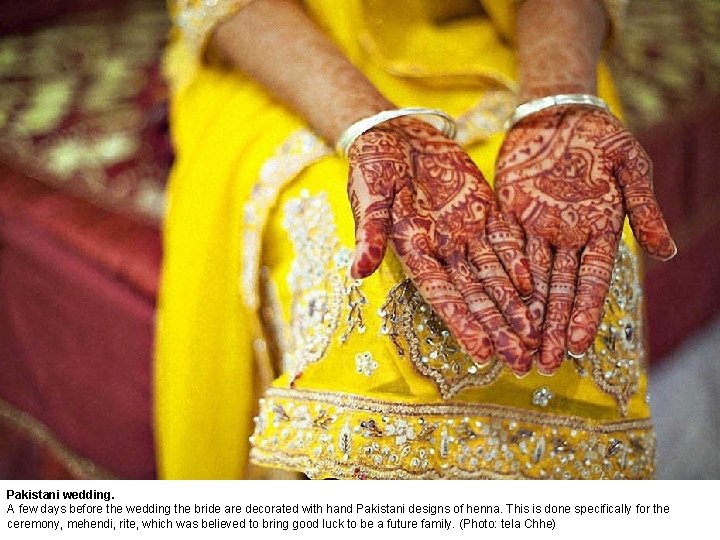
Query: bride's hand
[[413, 186], [566, 176]]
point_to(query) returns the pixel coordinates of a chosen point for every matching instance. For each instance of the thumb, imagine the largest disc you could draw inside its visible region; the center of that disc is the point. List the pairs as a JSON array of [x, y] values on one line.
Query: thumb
[[372, 226], [645, 216]]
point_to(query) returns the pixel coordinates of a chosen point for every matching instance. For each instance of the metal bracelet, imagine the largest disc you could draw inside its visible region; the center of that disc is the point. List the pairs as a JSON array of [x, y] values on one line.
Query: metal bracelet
[[439, 119], [531, 107]]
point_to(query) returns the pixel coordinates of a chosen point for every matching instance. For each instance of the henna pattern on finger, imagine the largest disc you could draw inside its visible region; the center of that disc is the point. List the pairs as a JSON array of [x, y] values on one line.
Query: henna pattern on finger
[[594, 277], [380, 168], [498, 287], [506, 342], [559, 306], [411, 185], [540, 257], [507, 242], [634, 173], [568, 175]]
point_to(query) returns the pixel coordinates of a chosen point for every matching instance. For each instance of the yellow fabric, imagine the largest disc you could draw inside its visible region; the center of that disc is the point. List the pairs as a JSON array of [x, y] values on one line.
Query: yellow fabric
[[210, 354]]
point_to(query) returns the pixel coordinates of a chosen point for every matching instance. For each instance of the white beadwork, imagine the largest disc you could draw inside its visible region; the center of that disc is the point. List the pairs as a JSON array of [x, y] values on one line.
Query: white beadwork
[[300, 149], [365, 363]]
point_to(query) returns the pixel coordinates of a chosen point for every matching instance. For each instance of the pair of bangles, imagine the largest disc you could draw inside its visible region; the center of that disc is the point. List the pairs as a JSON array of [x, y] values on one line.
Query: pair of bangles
[[445, 124]]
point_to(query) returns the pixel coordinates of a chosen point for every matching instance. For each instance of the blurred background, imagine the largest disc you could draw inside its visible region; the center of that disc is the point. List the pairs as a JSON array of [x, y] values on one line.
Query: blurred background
[[84, 155]]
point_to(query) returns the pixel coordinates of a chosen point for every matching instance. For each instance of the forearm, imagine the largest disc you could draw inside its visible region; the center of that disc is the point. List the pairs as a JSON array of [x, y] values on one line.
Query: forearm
[[277, 44], [559, 44]]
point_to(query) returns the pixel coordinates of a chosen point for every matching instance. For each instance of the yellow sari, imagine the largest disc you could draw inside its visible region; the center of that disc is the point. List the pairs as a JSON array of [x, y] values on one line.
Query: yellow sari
[[369, 383]]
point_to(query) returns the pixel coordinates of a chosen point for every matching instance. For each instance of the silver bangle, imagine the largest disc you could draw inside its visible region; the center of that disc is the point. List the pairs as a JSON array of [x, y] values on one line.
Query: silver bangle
[[531, 107], [439, 119]]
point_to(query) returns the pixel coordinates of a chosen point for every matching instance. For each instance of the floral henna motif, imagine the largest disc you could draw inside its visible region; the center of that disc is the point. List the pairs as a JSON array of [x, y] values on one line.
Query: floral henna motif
[[411, 185], [566, 176]]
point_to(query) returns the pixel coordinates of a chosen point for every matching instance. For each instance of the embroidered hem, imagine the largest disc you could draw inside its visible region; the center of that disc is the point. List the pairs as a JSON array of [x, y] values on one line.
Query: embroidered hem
[[334, 435]]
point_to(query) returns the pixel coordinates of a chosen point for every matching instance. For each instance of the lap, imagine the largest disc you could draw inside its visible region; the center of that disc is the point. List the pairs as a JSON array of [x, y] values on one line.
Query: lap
[[377, 337]]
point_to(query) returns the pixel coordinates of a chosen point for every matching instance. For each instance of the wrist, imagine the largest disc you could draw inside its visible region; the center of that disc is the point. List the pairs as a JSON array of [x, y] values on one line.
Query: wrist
[[348, 114], [531, 92], [533, 106], [559, 44]]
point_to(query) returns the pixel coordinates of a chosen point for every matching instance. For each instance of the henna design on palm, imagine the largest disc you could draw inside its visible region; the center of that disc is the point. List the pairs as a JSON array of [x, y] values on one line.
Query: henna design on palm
[[566, 177], [411, 185]]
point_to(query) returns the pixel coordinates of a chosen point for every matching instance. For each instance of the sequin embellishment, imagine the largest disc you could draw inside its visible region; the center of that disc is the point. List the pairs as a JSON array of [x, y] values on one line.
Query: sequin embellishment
[[615, 360], [420, 335], [330, 435], [319, 282], [300, 149], [542, 396], [365, 363]]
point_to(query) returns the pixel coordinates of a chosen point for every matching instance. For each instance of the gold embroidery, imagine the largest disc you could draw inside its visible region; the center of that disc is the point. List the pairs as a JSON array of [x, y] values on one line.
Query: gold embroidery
[[316, 289], [430, 347], [616, 358], [346, 436], [368, 404], [70, 113], [275, 329], [355, 302]]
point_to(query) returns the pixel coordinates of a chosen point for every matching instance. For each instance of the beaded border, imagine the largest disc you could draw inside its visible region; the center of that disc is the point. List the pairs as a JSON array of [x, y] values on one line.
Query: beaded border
[[361, 403], [348, 436], [301, 149]]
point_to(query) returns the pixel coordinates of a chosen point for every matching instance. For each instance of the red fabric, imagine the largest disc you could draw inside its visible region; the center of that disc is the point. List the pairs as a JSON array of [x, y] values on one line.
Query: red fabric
[[77, 286], [22, 458], [121, 246], [105, 139], [16, 16], [705, 193], [684, 294], [666, 146], [78, 283]]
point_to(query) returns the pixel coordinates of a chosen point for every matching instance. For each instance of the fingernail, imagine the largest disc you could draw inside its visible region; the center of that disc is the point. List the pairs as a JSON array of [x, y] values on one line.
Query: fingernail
[[356, 273], [544, 373], [577, 356], [675, 250], [361, 266], [521, 375]]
